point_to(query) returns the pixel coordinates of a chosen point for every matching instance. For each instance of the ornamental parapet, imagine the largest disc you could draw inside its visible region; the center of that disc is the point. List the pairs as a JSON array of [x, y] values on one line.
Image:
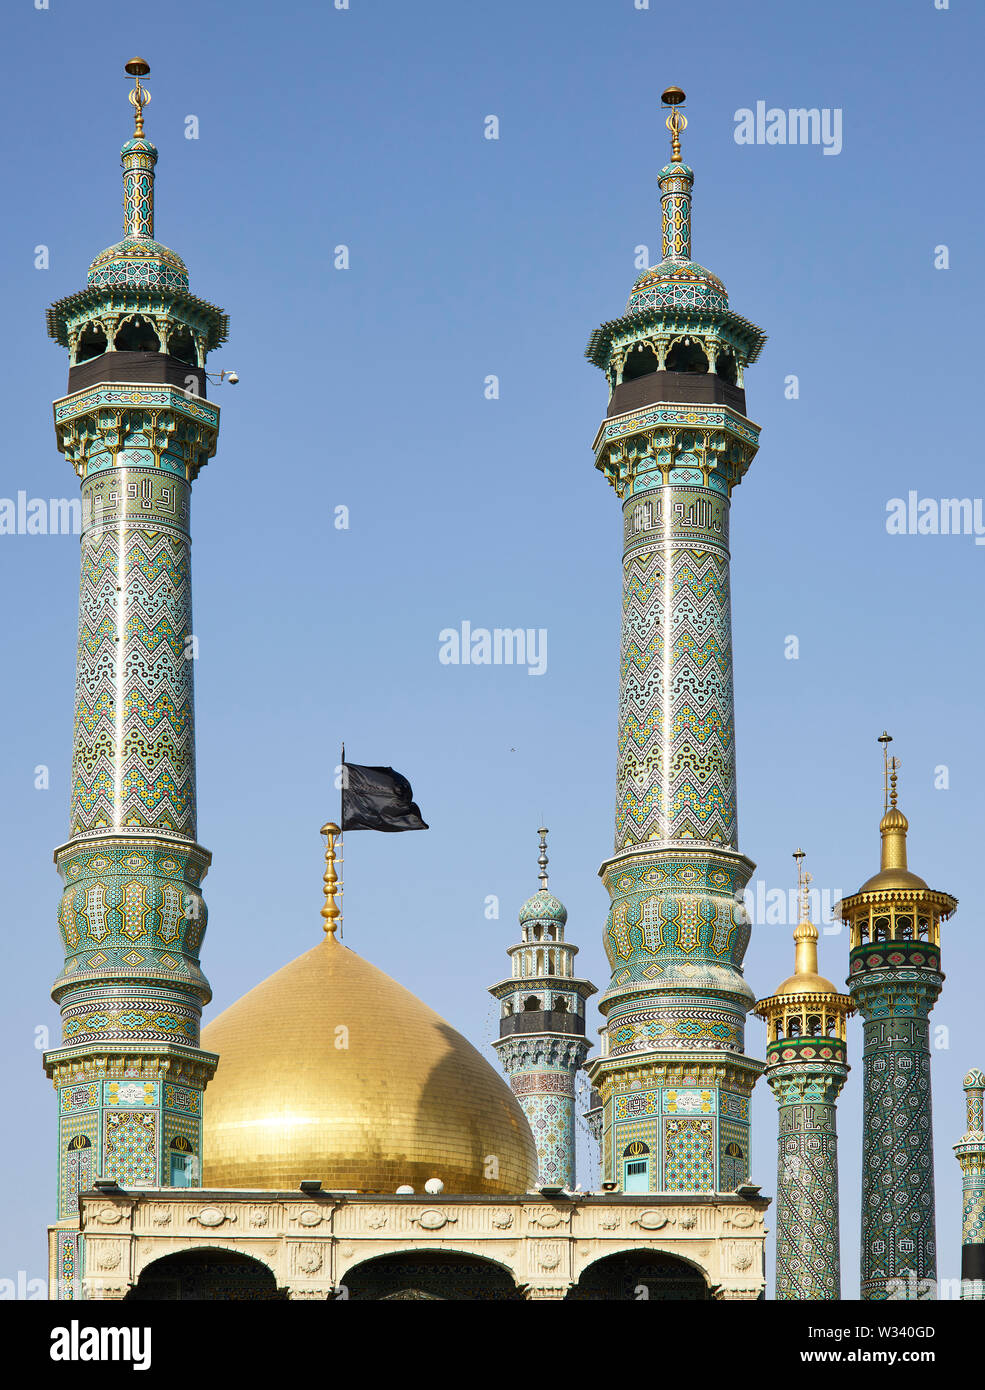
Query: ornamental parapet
[[136, 425], [312, 1241], [187, 1066], [710, 446], [891, 970], [792, 1051]]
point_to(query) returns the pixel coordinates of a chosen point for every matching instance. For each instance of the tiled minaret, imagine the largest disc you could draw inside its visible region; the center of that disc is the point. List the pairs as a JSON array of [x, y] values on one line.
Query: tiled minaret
[[673, 1077], [806, 1067], [970, 1153], [136, 428], [895, 922], [542, 1041]]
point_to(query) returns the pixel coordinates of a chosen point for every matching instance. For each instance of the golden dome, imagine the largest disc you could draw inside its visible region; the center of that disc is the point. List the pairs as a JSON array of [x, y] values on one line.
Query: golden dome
[[894, 872], [330, 1070], [805, 979]]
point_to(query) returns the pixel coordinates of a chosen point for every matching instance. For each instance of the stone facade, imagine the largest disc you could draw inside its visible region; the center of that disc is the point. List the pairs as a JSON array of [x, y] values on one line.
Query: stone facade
[[312, 1242]]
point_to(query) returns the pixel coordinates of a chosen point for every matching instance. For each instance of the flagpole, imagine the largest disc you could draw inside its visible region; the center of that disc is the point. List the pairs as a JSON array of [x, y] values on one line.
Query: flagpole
[[341, 839]]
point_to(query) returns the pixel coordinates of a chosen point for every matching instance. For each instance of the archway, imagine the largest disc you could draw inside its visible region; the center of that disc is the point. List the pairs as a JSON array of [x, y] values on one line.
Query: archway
[[430, 1274], [206, 1275], [640, 1275]]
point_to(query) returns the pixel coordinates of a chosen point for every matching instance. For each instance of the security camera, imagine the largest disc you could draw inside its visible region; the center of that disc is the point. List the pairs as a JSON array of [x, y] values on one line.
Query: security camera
[[232, 378]]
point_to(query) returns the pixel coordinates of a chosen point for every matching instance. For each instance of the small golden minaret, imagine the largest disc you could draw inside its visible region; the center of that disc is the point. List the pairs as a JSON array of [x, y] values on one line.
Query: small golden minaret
[[806, 1067], [895, 978]]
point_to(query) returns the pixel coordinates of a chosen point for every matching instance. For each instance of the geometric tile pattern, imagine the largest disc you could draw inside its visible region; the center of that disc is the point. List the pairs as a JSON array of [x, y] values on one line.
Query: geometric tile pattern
[[689, 1155], [133, 762], [697, 1138], [78, 1141], [898, 1235], [132, 917], [970, 1153], [139, 157], [541, 1069], [130, 1145], [67, 1264], [676, 774], [676, 934], [807, 1238]]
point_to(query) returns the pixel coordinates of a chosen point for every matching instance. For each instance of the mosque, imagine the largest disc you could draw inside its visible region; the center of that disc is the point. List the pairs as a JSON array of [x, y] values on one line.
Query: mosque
[[293, 1149]]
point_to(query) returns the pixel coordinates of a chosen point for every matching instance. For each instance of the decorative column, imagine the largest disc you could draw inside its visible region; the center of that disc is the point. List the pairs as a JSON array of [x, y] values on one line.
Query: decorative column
[[970, 1153], [136, 428], [806, 1067], [542, 1041], [673, 1077], [894, 922]]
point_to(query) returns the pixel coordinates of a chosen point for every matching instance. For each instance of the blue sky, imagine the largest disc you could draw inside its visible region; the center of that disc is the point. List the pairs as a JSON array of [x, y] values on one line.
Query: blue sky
[[363, 388]]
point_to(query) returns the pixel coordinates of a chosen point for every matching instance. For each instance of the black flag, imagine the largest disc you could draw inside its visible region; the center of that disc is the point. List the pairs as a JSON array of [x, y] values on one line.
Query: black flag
[[377, 798]]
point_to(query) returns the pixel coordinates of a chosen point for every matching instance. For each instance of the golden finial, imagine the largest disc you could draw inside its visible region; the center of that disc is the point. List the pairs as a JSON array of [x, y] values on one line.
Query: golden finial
[[140, 96], [676, 121], [542, 858], [805, 933], [886, 739], [331, 911], [804, 881]]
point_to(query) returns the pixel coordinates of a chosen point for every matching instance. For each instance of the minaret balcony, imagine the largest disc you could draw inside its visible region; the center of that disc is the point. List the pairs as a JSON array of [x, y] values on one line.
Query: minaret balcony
[[542, 1021], [159, 368], [691, 388]]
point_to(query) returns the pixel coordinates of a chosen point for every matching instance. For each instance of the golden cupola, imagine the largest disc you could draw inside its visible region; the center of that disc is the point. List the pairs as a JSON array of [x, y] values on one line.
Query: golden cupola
[[896, 905], [329, 1070], [806, 1005]]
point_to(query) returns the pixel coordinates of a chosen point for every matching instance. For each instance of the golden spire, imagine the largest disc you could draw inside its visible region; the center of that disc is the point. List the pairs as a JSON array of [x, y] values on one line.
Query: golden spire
[[805, 933], [139, 97], [331, 911], [676, 121], [894, 825], [806, 995]]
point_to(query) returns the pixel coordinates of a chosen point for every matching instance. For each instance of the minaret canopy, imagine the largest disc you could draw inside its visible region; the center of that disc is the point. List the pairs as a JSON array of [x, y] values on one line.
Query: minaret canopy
[[137, 274], [676, 294]]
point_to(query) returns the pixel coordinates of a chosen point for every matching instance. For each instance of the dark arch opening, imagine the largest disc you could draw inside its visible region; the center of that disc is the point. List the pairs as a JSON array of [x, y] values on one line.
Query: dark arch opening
[[640, 362], [137, 334], [725, 366], [92, 342], [430, 1275], [531, 1004], [621, 1277], [206, 1276], [687, 356], [181, 344]]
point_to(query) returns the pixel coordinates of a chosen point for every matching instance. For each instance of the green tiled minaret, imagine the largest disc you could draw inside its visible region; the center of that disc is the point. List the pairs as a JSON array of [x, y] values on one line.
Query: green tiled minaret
[[895, 980], [136, 427], [806, 1067], [673, 1077]]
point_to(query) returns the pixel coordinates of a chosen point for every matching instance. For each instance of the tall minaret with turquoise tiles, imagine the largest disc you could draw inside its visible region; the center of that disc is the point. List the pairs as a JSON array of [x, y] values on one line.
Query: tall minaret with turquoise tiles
[[136, 427], [673, 1078]]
